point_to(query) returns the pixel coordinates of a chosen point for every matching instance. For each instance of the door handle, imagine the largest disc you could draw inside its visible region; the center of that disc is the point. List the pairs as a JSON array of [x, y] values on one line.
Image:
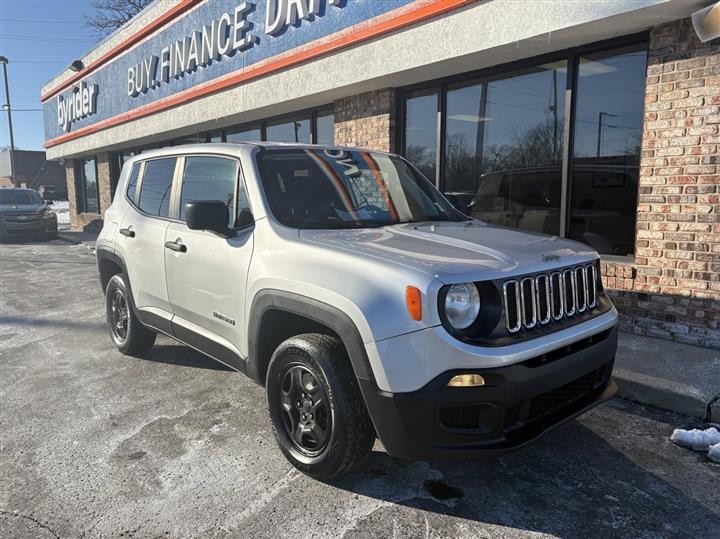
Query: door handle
[[175, 246], [127, 232]]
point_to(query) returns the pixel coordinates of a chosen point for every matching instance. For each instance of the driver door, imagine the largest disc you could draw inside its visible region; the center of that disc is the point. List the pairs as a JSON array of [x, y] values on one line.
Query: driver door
[[206, 277]]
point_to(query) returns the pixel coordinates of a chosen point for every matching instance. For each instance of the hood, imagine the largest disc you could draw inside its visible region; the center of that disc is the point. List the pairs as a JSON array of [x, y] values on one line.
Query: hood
[[458, 251], [21, 208]]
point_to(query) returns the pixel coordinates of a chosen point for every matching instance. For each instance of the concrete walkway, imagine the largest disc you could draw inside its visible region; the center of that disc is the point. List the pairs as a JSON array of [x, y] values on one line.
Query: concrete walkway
[[668, 375]]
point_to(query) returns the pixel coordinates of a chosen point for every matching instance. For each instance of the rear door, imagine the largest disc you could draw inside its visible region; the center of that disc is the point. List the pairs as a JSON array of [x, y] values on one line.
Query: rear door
[[142, 235], [206, 280]]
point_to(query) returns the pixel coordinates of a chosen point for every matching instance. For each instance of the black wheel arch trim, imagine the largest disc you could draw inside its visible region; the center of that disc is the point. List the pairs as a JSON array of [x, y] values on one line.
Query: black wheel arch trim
[[280, 300]]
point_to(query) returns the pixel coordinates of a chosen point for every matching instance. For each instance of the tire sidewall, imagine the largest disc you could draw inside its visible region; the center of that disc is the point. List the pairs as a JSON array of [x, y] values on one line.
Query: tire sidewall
[[117, 282], [283, 358]]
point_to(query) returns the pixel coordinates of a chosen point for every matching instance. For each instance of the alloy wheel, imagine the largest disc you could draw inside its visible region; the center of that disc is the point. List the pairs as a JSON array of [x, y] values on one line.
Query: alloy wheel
[[305, 410]]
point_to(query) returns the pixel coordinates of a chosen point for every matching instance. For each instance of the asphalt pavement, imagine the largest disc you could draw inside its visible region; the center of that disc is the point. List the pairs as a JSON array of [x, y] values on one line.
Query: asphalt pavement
[[97, 444]]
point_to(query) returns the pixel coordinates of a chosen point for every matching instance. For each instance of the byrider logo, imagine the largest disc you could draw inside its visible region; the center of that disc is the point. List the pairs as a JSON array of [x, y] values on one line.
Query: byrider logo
[[80, 104]]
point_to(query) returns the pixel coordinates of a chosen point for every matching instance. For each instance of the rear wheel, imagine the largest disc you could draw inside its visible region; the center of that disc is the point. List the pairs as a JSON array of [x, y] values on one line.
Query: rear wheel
[[319, 418], [127, 332]]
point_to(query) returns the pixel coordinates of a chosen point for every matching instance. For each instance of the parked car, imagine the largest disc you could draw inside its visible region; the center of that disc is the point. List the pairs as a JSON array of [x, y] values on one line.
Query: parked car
[[23, 214], [52, 192], [346, 284]]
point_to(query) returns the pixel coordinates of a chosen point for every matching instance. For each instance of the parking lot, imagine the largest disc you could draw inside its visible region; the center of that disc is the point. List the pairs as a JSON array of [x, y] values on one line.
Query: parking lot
[[95, 444]]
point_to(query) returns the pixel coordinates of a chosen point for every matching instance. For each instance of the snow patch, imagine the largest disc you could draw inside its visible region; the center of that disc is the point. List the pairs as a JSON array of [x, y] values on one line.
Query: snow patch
[[62, 209], [697, 439]]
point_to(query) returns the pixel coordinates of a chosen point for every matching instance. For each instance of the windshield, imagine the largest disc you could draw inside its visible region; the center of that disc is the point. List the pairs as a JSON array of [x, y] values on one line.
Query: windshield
[[18, 197], [316, 188]]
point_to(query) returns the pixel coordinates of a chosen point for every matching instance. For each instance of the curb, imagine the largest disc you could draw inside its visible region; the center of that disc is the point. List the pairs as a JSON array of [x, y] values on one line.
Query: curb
[[649, 390]]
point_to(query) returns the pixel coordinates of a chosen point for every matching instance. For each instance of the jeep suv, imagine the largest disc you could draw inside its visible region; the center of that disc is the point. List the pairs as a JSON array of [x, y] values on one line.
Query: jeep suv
[[342, 281]]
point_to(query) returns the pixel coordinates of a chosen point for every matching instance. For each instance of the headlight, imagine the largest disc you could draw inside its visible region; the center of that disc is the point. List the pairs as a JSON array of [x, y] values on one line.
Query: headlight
[[49, 214], [462, 305]]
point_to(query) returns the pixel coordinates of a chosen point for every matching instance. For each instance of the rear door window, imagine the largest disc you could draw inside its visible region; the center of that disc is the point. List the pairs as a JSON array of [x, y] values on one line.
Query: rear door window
[[132, 182], [209, 178], [156, 186]]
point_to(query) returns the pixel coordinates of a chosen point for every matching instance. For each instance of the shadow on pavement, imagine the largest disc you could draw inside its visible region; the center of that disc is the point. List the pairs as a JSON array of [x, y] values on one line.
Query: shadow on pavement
[[571, 484], [182, 356]]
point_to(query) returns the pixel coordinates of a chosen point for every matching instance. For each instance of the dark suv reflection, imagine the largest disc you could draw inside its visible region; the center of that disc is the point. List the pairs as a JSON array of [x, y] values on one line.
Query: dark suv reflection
[[602, 206]]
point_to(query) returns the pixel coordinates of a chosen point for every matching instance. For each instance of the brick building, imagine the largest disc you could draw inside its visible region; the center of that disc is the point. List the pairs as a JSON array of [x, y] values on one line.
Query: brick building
[[598, 122]]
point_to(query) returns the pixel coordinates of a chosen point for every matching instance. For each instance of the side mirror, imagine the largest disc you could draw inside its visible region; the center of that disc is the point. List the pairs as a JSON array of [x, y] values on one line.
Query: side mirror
[[209, 215]]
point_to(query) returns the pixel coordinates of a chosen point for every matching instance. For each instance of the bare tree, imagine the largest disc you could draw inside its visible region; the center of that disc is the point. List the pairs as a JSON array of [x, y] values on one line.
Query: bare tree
[[112, 14]]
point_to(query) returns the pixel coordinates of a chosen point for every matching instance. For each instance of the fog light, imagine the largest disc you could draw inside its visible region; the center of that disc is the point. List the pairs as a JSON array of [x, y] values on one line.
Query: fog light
[[466, 380]]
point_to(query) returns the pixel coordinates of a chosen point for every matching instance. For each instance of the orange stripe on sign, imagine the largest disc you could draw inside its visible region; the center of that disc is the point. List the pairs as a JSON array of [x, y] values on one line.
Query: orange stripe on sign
[[364, 33], [135, 38]]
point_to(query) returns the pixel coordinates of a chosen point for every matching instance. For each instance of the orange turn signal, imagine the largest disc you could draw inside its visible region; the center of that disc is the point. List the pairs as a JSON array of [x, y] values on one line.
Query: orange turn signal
[[413, 300]]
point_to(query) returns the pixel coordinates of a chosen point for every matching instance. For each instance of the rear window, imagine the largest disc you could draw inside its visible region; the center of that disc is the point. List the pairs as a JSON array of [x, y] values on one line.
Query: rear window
[[156, 186]]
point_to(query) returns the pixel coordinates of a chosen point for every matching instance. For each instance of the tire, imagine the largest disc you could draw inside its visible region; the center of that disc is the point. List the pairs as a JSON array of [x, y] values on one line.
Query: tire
[[325, 373], [127, 332]]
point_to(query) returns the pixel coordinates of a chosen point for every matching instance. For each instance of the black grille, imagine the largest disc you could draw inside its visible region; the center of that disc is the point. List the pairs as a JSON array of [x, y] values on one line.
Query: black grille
[[556, 294], [512, 305], [562, 396], [460, 417]]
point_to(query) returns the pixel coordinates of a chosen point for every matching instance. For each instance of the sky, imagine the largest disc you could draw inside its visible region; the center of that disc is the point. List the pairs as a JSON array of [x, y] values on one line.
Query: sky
[[39, 38]]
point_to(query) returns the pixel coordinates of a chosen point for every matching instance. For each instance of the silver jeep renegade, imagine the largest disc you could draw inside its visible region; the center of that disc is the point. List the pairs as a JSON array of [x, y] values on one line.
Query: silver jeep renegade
[[347, 285]]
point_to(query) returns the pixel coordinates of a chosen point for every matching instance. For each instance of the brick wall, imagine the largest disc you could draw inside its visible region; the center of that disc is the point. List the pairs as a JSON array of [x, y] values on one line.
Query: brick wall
[[366, 120], [673, 288]]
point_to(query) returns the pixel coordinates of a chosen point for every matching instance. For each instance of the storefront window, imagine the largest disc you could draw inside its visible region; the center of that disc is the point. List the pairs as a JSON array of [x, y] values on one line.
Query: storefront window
[[245, 135], [608, 130], [294, 131], [503, 148], [502, 145], [86, 177], [421, 131], [325, 128]]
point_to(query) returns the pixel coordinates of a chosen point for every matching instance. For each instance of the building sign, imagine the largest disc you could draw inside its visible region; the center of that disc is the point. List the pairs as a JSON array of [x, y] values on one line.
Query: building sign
[[82, 102], [211, 40]]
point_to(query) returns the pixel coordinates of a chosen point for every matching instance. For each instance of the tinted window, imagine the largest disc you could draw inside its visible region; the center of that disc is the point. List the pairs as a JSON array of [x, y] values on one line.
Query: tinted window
[[132, 181], [510, 128], [325, 128], [295, 131], [156, 186], [244, 135], [208, 178], [86, 172], [347, 189], [608, 131], [421, 132]]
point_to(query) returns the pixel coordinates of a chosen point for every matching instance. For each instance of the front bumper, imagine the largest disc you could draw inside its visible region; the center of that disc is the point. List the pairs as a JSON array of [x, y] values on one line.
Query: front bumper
[[517, 404], [34, 228]]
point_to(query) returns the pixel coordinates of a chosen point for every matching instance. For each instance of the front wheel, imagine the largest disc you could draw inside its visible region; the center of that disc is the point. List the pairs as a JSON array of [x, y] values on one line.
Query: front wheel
[[127, 332], [319, 418]]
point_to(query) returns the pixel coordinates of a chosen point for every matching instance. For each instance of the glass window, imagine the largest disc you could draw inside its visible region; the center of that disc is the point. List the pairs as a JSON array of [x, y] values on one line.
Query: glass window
[[293, 131], [608, 130], [209, 178], [503, 148], [215, 136], [421, 131], [132, 181], [325, 128], [19, 197], [348, 189], [87, 179], [156, 186], [246, 135]]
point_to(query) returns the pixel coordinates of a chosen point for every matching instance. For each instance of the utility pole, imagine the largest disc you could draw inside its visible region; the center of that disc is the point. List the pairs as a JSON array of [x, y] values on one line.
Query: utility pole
[[6, 106]]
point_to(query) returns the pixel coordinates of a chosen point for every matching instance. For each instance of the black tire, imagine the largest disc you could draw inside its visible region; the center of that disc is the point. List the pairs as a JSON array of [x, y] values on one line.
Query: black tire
[[325, 372], [127, 332]]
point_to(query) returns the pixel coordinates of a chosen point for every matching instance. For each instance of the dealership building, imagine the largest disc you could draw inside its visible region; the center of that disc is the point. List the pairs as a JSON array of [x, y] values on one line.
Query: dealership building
[[596, 121]]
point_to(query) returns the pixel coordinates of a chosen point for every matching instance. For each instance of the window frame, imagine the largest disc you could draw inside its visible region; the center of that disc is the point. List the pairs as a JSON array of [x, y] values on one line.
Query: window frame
[[176, 190], [81, 184], [572, 56]]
